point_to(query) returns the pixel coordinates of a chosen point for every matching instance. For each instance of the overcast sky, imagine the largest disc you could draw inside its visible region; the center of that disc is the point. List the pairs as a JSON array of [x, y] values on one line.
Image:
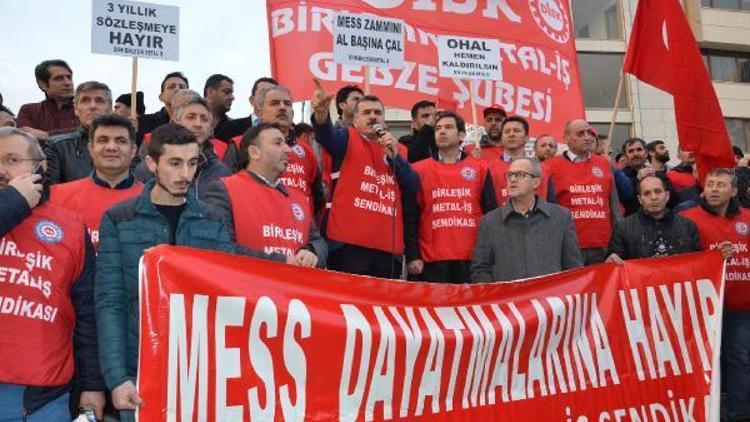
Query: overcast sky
[[231, 38]]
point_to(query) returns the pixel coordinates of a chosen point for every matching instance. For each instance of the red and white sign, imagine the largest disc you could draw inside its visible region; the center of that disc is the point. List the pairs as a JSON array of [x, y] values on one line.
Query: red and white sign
[[247, 340], [537, 51]]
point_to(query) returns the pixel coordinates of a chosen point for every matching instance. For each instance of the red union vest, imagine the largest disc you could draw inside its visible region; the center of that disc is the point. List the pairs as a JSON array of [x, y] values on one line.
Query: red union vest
[[367, 200], [264, 218], [451, 203], [40, 259], [497, 170], [90, 201], [681, 180], [713, 230], [301, 170], [489, 153], [584, 189]]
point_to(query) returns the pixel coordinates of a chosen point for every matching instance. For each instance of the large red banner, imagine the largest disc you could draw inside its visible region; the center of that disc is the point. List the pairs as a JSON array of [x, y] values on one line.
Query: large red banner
[[228, 338], [537, 54]]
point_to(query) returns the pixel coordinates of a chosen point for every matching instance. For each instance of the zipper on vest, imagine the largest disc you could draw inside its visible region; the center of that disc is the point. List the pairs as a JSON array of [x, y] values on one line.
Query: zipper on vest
[[23, 414]]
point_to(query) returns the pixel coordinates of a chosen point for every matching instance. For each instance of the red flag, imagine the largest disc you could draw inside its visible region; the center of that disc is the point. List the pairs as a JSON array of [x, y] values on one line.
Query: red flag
[[663, 52]]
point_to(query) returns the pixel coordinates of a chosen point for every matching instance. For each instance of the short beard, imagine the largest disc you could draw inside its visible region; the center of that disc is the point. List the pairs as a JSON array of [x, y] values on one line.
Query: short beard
[[166, 189]]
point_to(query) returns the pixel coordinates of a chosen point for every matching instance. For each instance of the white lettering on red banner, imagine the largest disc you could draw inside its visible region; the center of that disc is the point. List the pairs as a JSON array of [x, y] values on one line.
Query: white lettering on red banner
[[317, 344]]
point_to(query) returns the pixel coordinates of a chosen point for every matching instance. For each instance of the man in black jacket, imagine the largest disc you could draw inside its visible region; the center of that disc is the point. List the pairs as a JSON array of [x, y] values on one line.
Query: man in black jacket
[[48, 338], [172, 83], [654, 230], [68, 156]]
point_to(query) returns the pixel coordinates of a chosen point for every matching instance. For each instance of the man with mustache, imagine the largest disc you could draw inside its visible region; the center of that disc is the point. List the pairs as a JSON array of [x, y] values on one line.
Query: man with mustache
[[48, 337], [491, 144], [262, 213], [364, 222], [303, 173], [68, 155]]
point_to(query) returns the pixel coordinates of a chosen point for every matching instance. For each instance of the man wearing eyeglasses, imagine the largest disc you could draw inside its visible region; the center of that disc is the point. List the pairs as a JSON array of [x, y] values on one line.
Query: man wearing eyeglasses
[[46, 294], [526, 237]]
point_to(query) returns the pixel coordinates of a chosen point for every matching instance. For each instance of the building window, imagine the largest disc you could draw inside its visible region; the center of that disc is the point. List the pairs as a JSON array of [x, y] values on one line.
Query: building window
[[727, 4], [728, 66], [621, 132], [600, 74], [597, 19], [739, 132]]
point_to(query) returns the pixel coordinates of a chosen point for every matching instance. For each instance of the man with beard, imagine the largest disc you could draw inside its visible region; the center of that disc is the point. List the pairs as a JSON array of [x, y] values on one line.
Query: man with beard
[[421, 140], [303, 172], [274, 212], [545, 147], [50, 338], [723, 224], [440, 241], [191, 111], [165, 212], [68, 156], [658, 155], [491, 144], [346, 97], [364, 222], [635, 161]]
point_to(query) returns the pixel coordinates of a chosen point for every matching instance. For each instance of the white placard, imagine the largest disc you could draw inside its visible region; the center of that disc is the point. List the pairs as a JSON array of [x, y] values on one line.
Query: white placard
[[134, 29], [368, 40], [469, 58]]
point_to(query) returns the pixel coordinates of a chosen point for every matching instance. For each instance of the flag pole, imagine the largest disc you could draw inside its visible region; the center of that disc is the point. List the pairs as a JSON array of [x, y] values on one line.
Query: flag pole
[[615, 109], [367, 79], [474, 119]]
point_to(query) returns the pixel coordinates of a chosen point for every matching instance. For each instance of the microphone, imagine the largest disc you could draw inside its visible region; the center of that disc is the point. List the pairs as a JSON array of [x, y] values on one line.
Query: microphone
[[379, 129]]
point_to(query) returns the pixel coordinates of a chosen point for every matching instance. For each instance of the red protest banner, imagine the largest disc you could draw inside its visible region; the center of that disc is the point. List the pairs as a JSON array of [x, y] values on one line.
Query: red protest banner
[[537, 54], [243, 339]]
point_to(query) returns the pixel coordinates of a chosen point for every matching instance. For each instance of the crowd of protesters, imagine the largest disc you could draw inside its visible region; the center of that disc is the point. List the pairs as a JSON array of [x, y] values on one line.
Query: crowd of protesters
[[85, 188]]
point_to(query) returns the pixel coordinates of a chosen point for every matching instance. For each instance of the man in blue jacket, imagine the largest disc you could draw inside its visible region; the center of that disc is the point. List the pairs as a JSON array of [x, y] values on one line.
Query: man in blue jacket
[[166, 212]]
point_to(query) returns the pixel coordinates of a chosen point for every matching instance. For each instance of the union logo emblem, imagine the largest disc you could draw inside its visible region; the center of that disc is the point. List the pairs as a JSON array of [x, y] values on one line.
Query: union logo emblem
[[551, 17]]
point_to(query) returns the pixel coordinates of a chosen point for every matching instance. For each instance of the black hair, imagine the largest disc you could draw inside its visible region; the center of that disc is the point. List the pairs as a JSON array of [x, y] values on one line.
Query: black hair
[[7, 110], [738, 151], [42, 73], [662, 178], [343, 93], [651, 146], [113, 120], [251, 138], [302, 128], [214, 81], [460, 123], [368, 98], [258, 82], [630, 141], [518, 119], [168, 134], [419, 105], [174, 75]]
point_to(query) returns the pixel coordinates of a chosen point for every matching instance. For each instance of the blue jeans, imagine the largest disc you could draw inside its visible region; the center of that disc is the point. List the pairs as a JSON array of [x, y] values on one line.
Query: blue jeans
[[736, 351], [11, 407]]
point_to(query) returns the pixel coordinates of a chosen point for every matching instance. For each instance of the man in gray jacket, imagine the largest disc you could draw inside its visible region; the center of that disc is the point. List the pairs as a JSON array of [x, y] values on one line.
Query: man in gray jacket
[[528, 236]]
